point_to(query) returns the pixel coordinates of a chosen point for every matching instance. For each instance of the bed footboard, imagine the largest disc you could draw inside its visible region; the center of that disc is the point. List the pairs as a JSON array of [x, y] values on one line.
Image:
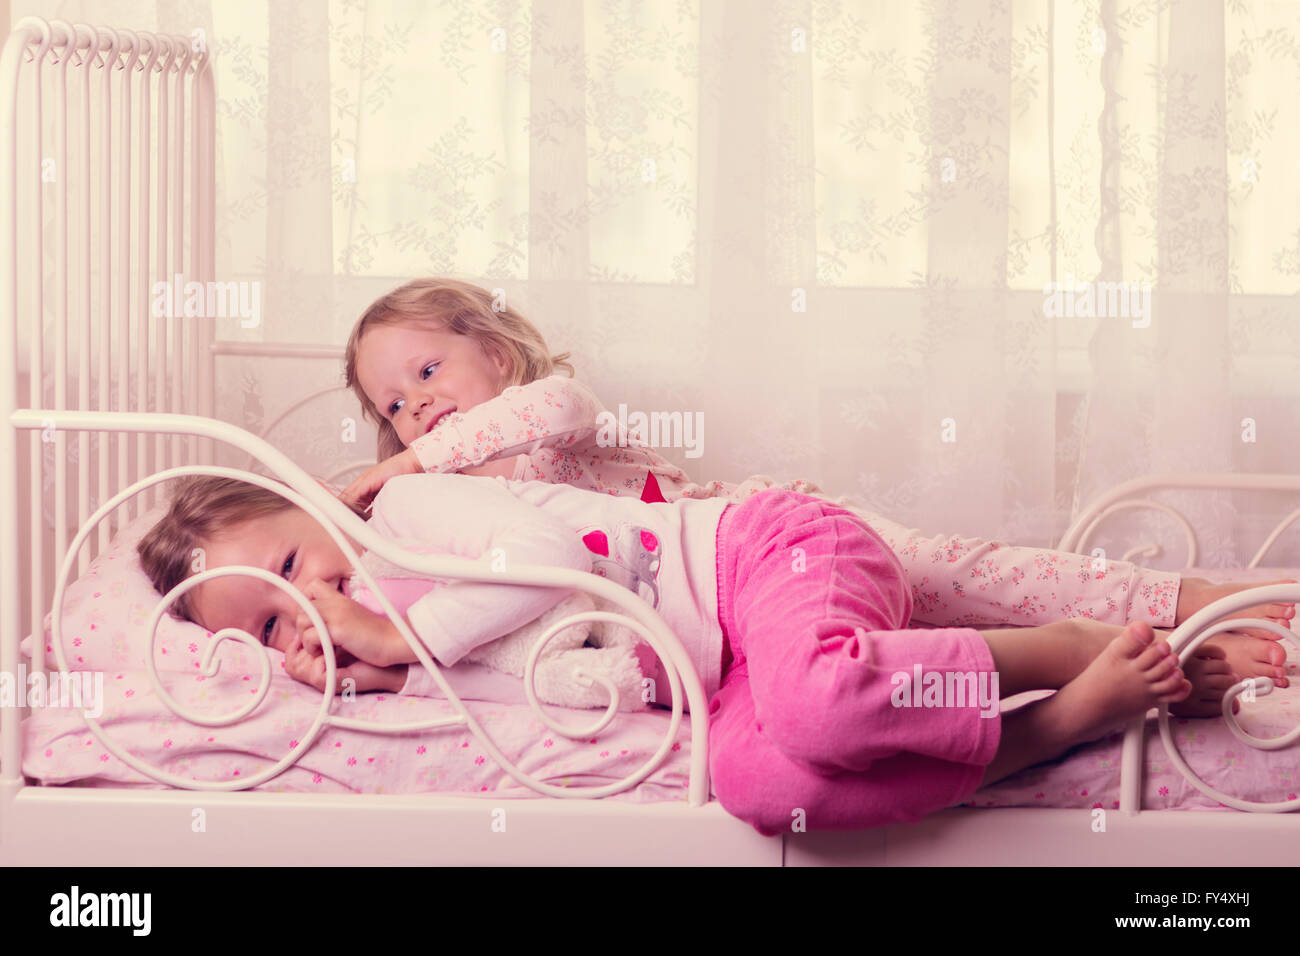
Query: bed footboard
[[1200, 627]]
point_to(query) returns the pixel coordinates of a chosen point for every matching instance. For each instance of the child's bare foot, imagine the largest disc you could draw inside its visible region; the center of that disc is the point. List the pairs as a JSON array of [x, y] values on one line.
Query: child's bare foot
[[1196, 593], [1210, 677], [1250, 652], [1249, 656], [1133, 673]]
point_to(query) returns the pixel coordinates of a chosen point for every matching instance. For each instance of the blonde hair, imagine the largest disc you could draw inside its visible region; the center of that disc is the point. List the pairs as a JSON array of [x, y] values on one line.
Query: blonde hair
[[202, 507], [462, 308]]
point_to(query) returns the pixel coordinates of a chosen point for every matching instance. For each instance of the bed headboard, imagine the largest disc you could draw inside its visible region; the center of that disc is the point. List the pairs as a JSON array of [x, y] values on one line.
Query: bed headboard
[[108, 290], [107, 218], [106, 235]]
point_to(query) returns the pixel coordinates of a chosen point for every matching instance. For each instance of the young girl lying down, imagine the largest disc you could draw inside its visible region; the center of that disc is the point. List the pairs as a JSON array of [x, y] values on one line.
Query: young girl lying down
[[457, 384], [793, 611]]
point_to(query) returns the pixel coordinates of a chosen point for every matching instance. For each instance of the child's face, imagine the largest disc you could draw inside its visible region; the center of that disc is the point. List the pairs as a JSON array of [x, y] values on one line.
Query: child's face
[[289, 543], [416, 376]]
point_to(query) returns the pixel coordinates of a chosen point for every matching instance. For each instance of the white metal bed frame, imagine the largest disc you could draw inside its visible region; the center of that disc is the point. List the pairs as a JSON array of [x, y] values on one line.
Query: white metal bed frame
[[113, 826]]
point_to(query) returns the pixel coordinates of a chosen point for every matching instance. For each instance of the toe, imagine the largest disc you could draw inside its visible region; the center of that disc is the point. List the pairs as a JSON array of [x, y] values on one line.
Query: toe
[[1258, 634], [1168, 681], [1153, 655], [1134, 639], [1175, 688], [1160, 668], [1156, 662]]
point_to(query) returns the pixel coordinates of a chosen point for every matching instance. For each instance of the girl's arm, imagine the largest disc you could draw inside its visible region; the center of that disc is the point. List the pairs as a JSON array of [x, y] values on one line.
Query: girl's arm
[[960, 581], [475, 518], [553, 411]]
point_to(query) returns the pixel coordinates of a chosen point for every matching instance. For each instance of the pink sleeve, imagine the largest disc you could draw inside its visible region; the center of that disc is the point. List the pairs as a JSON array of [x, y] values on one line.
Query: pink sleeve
[[960, 581], [554, 411], [476, 518]]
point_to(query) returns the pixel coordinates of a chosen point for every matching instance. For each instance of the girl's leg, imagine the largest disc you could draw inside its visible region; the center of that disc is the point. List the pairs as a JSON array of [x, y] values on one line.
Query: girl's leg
[[961, 580], [814, 606], [757, 782], [818, 607], [1052, 655], [1133, 673], [1046, 657]]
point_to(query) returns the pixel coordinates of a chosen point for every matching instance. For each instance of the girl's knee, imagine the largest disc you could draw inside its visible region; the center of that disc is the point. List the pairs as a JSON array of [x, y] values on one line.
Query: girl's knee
[[818, 706]]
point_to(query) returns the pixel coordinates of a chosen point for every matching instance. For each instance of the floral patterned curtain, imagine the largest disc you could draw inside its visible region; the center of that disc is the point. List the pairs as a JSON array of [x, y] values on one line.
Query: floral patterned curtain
[[880, 246]]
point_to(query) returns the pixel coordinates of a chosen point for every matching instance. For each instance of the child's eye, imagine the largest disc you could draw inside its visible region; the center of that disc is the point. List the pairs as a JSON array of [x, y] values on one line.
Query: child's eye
[[285, 570], [425, 372]]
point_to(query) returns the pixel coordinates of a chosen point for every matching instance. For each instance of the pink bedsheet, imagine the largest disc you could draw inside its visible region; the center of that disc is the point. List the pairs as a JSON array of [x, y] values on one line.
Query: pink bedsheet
[[60, 749]]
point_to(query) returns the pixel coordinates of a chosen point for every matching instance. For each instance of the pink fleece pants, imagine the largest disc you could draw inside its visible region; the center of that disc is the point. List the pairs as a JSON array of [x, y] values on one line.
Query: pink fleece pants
[[806, 730]]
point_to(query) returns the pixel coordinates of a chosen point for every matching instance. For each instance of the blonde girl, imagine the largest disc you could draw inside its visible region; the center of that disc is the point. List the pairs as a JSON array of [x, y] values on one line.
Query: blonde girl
[[809, 717]]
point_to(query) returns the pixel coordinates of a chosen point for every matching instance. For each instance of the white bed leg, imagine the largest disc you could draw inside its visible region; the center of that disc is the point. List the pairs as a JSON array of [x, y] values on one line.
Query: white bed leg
[[1130, 767]]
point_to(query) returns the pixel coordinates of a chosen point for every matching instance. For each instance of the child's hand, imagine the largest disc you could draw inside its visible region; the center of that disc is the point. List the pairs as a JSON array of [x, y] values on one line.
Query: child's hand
[[371, 637], [361, 492], [302, 665]]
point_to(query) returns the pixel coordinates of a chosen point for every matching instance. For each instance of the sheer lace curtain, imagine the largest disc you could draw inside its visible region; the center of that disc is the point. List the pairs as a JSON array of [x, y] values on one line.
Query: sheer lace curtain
[[828, 227]]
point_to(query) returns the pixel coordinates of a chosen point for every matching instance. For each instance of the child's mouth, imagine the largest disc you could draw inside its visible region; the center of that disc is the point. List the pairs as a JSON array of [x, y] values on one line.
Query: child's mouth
[[438, 418]]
